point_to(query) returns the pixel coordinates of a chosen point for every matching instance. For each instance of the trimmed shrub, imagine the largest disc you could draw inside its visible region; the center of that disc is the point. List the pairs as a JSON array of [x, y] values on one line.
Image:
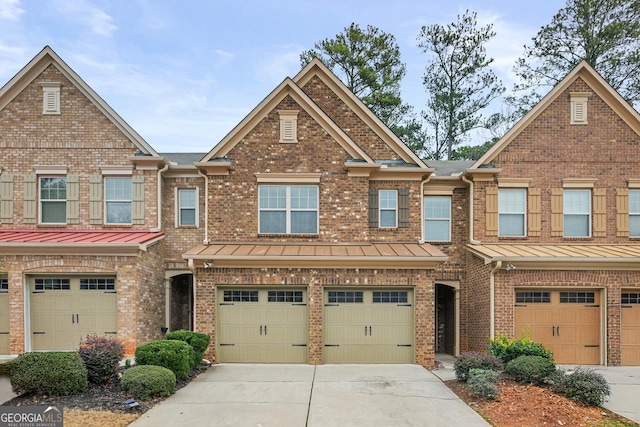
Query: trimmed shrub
[[508, 349], [483, 383], [5, 368], [583, 385], [174, 355], [197, 340], [147, 381], [101, 356], [530, 369], [474, 360], [54, 373]]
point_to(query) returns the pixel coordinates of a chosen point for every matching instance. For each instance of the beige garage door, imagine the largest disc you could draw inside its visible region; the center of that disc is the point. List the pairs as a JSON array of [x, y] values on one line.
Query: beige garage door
[[368, 326], [630, 328], [262, 325], [64, 310], [4, 315], [565, 322]]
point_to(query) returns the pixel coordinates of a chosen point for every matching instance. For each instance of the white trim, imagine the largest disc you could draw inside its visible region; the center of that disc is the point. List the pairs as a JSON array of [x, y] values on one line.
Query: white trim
[[288, 210], [578, 183], [117, 170], [106, 201], [288, 126], [40, 200], [579, 111], [51, 170], [284, 178]]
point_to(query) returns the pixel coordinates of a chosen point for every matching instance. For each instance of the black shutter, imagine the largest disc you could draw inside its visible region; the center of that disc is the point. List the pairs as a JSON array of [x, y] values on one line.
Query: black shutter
[[373, 207]]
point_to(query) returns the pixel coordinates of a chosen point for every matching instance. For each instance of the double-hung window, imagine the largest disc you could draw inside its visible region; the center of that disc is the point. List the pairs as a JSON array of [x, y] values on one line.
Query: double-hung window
[[437, 218], [53, 200], [577, 213], [634, 213], [187, 207], [117, 200], [388, 208], [288, 209], [511, 212]]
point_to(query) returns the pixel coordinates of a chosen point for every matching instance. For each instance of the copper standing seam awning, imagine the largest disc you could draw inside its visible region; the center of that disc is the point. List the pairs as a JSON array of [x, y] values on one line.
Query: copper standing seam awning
[[76, 242], [318, 255], [582, 256]]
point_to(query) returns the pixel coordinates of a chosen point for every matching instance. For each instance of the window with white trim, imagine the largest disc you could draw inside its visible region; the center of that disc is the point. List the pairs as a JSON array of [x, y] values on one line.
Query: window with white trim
[[634, 213], [437, 218], [388, 208], [187, 207], [53, 200], [288, 209], [511, 212], [117, 200], [577, 213]]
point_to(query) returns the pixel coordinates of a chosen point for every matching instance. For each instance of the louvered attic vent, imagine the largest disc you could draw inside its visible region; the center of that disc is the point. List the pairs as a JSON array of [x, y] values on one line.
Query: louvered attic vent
[[579, 107], [50, 97], [288, 126]]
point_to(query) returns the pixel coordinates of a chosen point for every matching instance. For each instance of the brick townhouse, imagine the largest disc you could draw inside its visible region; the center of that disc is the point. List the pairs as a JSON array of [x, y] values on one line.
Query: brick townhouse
[[311, 234]]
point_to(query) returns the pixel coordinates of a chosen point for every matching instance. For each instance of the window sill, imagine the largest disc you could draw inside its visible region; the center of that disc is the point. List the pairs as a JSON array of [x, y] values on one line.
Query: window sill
[[188, 227], [512, 237], [309, 236], [117, 225], [52, 225]]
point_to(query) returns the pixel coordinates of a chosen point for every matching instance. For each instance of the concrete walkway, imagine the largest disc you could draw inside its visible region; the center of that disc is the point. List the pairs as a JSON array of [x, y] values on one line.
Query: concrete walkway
[[313, 396]]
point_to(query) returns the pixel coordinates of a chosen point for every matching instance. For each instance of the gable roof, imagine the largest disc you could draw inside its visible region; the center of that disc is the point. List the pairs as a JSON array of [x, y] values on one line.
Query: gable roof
[[316, 68], [286, 88], [600, 87], [47, 57]]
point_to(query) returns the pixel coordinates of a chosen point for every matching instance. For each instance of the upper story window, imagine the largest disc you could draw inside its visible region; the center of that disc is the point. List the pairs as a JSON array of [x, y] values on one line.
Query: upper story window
[[117, 198], [187, 214], [511, 212], [634, 213], [53, 200], [437, 218], [288, 209], [577, 213], [388, 205]]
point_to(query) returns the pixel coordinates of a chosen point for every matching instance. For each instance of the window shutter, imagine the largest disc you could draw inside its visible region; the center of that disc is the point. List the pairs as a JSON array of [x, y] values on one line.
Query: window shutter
[[373, 207], [491, 200], [556, 212], [30, 190], [534, 228], [137, 199], [73, 199], [599, 212], [95, 199], [6, 199], [622, 212], [403, 208]]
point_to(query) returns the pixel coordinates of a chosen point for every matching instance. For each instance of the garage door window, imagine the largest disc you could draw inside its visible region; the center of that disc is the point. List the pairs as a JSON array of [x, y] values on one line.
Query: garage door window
[[98, 284], [4, 285], [632, 298], [389, 296], [52, 284], [577, 297], [345, 297], [284, 296], [533, 297], [240, 296]]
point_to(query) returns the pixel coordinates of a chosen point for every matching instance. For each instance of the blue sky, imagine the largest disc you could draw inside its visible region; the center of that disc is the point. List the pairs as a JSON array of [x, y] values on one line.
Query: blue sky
[[184, 73]]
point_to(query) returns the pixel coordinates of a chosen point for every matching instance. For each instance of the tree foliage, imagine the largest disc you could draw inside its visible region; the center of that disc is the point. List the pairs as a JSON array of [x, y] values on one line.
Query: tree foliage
[[459, 82], [368, 63], [605, 33]]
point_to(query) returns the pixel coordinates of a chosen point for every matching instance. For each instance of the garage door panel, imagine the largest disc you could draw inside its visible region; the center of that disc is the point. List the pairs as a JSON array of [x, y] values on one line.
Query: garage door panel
[[368, 353], [630, 330]]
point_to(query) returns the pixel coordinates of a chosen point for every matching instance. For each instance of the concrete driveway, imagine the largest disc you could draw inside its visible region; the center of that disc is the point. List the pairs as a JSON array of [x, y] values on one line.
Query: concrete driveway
[[314, 396], [624, 382]]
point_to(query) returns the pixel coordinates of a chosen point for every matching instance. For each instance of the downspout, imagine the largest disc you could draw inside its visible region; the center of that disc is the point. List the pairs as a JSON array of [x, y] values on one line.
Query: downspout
[[470, 182], [192, 267], [206, 209], [422, 183], [160, 172], [492, 300]]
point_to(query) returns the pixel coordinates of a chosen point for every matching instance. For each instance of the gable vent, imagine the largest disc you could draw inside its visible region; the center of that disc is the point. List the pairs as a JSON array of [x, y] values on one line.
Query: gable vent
[[50, 98], [579, 108], [288, 126]]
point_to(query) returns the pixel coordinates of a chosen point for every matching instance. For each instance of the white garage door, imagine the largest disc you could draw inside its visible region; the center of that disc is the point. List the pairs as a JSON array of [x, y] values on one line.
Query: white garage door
[[65, 310], [262, 325], [368, 326]]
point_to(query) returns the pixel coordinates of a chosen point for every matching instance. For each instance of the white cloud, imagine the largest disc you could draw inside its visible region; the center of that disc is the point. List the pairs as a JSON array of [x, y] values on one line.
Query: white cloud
[[280, 65], [10, 10], [98, 21]]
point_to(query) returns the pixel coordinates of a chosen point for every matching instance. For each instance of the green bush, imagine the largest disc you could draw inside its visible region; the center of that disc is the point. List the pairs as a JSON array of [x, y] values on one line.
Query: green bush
[[101, 356], [474, 360], [508, 349], [147, 381], [583, 385], [5, 368], [530, 369], [483, 383], [177, 356], [54, 373], [197, 340]]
